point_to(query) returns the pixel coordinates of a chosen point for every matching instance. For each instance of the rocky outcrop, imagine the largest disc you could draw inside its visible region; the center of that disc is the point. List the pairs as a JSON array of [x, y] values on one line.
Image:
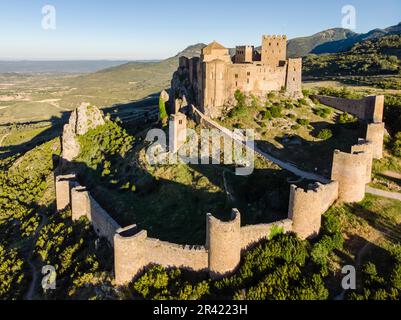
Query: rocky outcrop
[[82, 119], [164, 96]]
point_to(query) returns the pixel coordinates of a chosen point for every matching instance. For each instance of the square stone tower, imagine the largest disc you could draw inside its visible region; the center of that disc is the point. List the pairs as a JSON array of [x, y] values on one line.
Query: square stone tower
[[274, 50], [177, 131]]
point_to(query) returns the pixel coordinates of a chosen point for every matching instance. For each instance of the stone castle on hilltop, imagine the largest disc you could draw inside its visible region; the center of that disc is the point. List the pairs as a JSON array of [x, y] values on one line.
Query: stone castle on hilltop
[[210, 81]]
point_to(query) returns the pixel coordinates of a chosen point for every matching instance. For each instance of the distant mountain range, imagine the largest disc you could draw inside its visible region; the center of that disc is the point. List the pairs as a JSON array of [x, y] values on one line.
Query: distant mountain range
[[349, 39], [327, 41]]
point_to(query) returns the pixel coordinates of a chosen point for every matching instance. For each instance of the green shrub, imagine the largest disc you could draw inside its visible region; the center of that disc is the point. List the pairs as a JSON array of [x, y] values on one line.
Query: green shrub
[[397, 145], [303, 122], [162, 111], [295, 127], [271, 95], [289, 105], [322, 112], [325, 134], [158, 283], [276, 111], [302, 102], [267, 115], [346, 118], [240, 108]]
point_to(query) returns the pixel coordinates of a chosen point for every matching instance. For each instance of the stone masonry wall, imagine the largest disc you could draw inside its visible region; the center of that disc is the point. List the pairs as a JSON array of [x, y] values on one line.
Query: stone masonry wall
[[254, 233], [103, 224], [349, 169], [63, 190], [367, 147], [69, 192], [375, 134], [369, 108], [306, 207], [223, 240], [133, 250]]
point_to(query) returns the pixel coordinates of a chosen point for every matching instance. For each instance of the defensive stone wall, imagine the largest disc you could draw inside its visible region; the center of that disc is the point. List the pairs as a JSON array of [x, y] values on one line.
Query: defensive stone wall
[[102, 223], [64, 184], [349, 169], [83, 204], [368, 108], [221, 255], [223, 240], [367, 147], [254, 233], [133, 251], [306, 207], [375, 134]]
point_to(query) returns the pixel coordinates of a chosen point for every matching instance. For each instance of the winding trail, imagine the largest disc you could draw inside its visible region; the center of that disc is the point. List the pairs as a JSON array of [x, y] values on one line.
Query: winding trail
[[3, 137], [282, 164], [32, 286], [383, 193]]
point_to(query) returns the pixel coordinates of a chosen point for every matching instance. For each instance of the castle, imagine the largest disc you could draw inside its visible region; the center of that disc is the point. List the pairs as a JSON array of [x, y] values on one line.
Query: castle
[[226, 241], [209, 82]]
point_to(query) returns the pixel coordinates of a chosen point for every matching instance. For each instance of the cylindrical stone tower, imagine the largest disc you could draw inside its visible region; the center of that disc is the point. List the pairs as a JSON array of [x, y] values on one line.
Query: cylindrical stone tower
[[80, 206], [349, 169], [223, 241], [129, 254]]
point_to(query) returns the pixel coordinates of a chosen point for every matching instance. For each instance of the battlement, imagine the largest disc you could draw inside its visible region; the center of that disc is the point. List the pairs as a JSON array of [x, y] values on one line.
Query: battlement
[[306, 207], [366, 147], [274, 37], [211, 81], [349, 169], [369, 108]]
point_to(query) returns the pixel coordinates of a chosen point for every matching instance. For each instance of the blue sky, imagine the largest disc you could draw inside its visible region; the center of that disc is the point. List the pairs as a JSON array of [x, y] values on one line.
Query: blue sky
[[155, 29]]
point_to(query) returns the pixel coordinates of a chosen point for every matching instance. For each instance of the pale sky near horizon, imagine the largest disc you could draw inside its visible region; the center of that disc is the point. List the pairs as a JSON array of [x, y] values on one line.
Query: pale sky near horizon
[[156, 29]]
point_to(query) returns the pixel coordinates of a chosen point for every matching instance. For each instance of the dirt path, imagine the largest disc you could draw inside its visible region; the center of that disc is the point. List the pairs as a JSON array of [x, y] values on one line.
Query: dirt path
[[32, 286], [285, 165], [2, 138], [392, 174], [383, 193]]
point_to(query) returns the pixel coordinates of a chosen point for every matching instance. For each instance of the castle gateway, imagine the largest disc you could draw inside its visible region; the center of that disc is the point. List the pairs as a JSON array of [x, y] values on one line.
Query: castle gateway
[[210, 81]]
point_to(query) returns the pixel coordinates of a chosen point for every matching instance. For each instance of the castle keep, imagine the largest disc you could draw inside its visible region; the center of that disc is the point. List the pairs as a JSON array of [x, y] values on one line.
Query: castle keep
[[210, 81]]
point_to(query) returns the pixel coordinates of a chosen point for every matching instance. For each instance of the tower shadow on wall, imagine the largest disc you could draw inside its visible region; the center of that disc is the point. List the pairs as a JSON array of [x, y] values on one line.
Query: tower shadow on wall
[[315, 156], [168, 210], [261, 197]]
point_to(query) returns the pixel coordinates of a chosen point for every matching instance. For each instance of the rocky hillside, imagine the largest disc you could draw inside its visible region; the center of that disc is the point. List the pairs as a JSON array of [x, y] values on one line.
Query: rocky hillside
[[348, 42], [371, 57], [300, 47]]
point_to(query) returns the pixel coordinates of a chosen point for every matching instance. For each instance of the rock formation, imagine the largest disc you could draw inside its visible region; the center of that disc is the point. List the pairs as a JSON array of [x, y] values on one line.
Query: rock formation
[[82, 119]]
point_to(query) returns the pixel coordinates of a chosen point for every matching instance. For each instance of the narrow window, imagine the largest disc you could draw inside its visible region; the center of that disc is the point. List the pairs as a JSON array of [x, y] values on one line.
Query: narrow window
[[247, 80], [248, 73], [236, 76]]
